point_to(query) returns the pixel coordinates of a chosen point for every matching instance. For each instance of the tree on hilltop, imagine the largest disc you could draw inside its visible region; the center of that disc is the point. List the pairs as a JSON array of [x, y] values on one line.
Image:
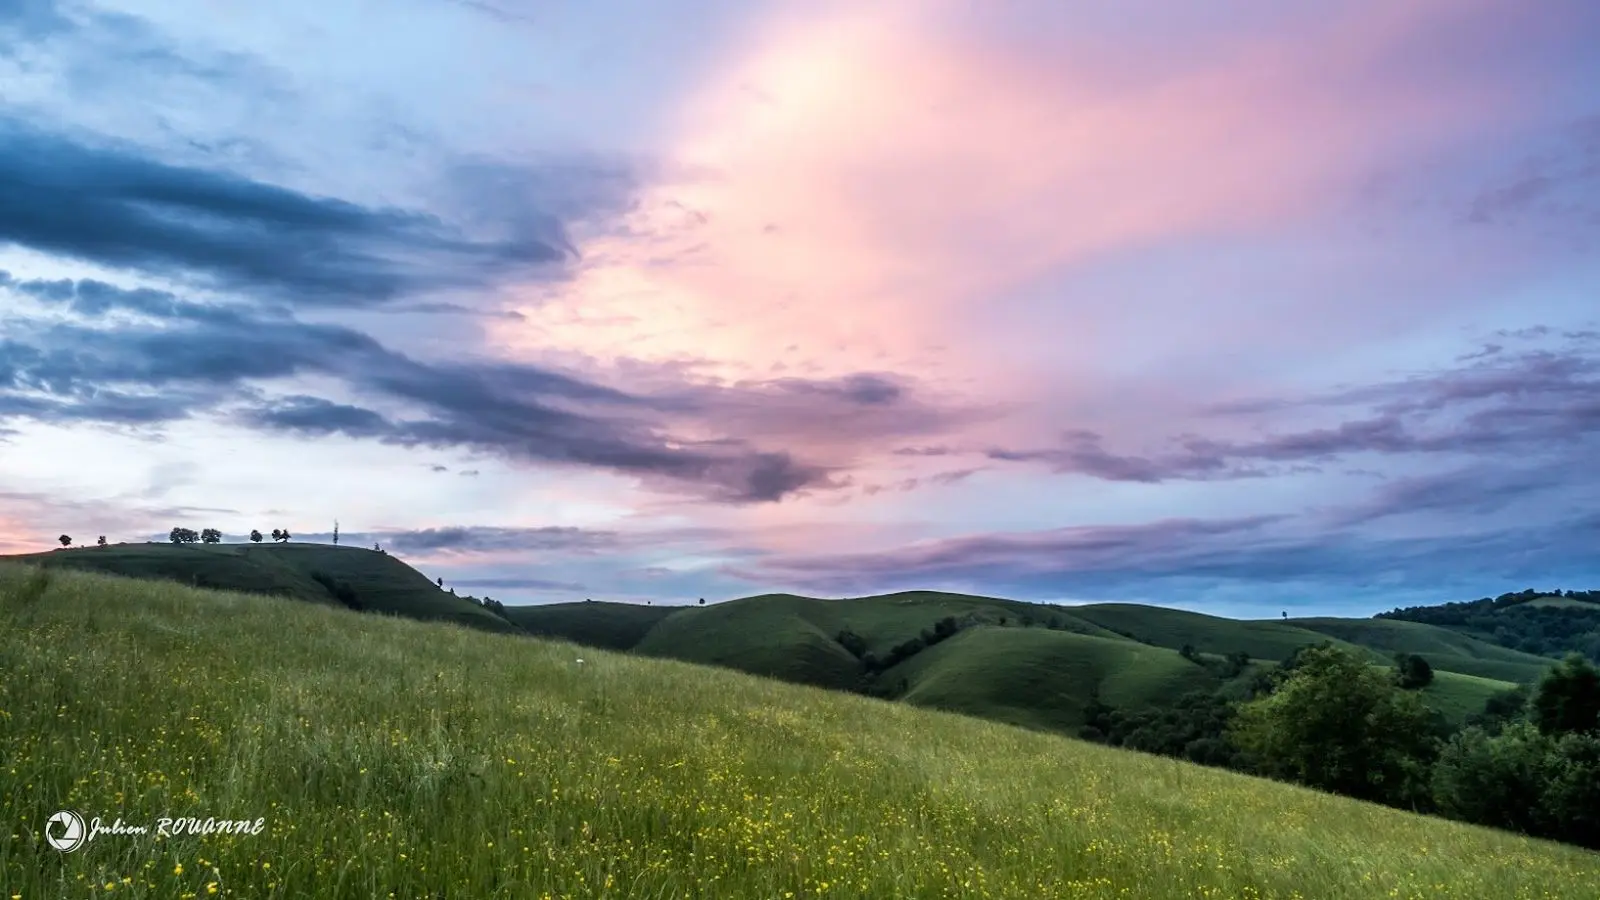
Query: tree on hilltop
[[101, 541], [66, 540], [210, 536], [181, 535], [255, 536]]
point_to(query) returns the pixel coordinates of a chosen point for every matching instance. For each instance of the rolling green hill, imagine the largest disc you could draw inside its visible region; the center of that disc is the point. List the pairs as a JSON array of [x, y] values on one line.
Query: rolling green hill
[[1016, 662], [1443, 648], [1042, 678], [379, 582], [390, 756], [779, 636], [1173, 628], [613, 626]]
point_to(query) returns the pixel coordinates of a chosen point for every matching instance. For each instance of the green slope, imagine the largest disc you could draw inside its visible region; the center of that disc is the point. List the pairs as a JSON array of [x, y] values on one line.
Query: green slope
[[1172, 628], [1443, 648], [1034, 676], [614, 626], [794, 638], [778, 636], [1042, 678], [424, 760], [382, 583], [888, 619], [1458, 696]]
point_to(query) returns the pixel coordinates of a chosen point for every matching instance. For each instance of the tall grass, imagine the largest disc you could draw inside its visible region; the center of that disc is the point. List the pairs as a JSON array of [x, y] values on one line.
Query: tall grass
[[393, 758]]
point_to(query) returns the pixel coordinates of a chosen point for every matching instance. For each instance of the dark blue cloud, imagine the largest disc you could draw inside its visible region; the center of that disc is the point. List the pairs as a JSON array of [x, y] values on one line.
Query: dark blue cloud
[[115, 206], [864, 388], [33, 20], [315, 415], [209, 357]]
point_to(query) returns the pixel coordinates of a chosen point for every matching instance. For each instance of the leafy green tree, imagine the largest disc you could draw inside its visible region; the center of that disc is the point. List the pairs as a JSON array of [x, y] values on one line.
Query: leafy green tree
[[1494, 780], [1336, 724], [66, 540], [255, 536], [1238, 661], [1568, 698], [100, 541], [1412, 671], [1501, 709], [1096, 719], [210, 536], [1523, 779], [1571, 799], [283, 535], [854, 643], [1193, 728]]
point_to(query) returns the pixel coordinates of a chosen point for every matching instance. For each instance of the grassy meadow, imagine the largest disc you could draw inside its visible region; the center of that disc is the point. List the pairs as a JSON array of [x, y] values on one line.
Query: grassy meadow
[[397, 758]]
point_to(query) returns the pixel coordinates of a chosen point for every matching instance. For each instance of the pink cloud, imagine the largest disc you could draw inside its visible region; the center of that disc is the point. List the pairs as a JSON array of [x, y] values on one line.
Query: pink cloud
[[858, 189]]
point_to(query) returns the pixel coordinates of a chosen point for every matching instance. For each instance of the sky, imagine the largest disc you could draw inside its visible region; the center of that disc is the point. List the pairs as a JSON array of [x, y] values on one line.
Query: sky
[[1245, 307]]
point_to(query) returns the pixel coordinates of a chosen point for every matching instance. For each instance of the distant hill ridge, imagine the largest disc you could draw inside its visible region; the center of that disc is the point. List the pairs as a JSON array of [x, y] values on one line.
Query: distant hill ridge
[[1026, 663], [326, 574], [1035, 664]]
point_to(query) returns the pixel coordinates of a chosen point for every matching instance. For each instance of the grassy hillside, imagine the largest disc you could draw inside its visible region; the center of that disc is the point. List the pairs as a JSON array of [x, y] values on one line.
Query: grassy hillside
[[614, 626], [390, 756], [381, 583], [1172, 628], [1042, 678], [777, 636], [1443, 648], [1458, 696]]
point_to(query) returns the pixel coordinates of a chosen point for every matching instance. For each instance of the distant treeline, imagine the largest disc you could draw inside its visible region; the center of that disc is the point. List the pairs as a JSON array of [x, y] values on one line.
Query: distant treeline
[[1511, 621]]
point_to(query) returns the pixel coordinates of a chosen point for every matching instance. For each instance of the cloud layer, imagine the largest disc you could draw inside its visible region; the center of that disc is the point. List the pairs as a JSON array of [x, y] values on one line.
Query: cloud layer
[[1275, 305]]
